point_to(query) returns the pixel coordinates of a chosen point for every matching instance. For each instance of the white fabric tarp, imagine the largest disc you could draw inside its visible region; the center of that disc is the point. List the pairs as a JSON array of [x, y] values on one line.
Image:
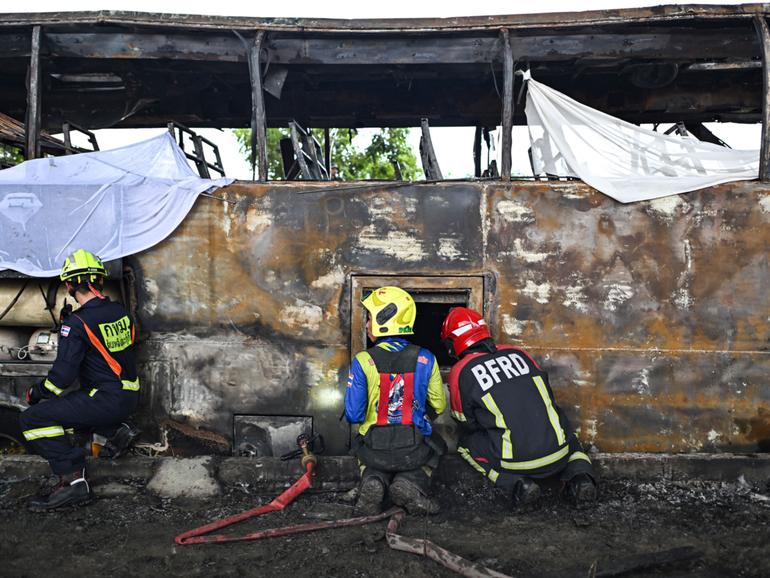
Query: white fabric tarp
[[620, 159], [113, 203]]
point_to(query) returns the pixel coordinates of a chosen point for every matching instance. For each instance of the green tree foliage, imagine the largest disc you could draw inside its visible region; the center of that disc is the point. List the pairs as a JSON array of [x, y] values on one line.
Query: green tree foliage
[[388, 149], [10, 155]]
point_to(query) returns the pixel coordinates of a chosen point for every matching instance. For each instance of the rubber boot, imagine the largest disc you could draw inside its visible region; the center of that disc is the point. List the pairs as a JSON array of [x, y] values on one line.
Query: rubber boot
[[526, 493], [581, 490], [370, 496], [409, 496], [72, 490]]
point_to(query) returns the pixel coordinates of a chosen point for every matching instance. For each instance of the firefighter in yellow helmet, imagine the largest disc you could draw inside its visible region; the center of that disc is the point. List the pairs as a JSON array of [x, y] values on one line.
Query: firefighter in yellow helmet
[[389, 389], [96, 345]]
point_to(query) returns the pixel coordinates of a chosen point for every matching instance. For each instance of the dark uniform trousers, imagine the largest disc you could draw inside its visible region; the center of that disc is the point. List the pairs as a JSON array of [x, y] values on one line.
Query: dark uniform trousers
[[96, 347], [100, 411], [389, 464], [476, 448]]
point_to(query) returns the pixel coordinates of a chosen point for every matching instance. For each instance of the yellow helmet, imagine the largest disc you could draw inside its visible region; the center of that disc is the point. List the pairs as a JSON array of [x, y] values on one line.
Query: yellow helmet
[[82, 264], [392, 311]]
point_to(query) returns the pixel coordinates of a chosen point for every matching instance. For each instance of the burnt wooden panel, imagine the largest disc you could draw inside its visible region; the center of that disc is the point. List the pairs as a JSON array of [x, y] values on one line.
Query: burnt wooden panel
[[14, 44], [675, 45], [451, 101]]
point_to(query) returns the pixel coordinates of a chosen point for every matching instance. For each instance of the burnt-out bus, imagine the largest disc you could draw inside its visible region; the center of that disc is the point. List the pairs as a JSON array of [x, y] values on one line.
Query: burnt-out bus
[[652, 318]]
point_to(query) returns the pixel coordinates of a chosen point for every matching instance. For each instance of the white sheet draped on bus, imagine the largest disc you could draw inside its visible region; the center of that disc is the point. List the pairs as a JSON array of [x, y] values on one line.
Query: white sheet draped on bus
[[620, 159], [113, 203]]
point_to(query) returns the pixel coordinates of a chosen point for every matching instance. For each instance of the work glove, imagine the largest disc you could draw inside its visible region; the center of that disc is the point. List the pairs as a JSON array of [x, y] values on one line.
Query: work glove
[[33, 395]]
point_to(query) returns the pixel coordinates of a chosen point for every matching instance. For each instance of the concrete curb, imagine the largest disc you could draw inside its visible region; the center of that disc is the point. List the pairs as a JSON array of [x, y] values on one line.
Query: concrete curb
[[340, 473]]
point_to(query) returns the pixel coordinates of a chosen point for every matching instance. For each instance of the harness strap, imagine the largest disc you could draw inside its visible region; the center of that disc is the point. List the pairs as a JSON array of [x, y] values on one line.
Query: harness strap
[[382, 407], [406, 407], [386, 385], [95, 291], [111, 361]]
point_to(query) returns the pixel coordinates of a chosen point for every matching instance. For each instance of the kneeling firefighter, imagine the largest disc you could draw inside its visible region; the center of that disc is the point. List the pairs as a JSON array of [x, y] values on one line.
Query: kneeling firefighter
[[389, 388], [513, 429], [96, 344]]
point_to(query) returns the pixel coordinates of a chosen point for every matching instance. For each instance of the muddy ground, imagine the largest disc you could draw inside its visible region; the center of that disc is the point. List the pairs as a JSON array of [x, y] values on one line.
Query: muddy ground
[[131, 533]]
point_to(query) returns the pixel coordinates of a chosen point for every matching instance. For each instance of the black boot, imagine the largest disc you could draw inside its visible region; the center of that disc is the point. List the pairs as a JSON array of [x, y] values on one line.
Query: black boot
[[409, 496], [72, 490], [370, 496], [581, 489], [526, 493], [121, 442]]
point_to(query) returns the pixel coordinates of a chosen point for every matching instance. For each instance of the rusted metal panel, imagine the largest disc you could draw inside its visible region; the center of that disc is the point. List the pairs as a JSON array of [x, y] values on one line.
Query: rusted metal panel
[[652, 317], [655, 312], [249, 300]]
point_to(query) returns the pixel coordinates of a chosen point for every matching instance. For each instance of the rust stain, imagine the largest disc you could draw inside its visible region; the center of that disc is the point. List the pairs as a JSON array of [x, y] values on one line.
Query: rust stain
[[757, 428]]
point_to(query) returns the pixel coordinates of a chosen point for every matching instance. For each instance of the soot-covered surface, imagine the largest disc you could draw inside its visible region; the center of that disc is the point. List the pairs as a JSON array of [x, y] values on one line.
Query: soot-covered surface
[[128, 532]]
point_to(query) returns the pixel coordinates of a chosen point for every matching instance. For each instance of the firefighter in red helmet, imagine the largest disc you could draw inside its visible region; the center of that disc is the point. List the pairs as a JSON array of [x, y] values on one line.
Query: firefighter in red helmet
[[513, 430]]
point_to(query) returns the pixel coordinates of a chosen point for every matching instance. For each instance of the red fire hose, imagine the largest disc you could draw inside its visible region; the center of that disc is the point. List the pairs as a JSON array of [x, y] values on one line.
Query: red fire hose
[[197, 536], [395, 541]]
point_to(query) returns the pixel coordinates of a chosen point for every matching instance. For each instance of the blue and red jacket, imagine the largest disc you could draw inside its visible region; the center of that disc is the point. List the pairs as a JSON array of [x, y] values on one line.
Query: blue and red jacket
[[399, 397]]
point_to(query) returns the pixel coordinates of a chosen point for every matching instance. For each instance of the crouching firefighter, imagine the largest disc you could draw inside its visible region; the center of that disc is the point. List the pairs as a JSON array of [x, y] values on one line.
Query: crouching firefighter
[[388, 391], [96, 344], [513, 429]]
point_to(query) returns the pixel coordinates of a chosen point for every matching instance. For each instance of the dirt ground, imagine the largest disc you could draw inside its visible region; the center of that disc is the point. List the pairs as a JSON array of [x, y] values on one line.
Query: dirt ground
[[131, 533]]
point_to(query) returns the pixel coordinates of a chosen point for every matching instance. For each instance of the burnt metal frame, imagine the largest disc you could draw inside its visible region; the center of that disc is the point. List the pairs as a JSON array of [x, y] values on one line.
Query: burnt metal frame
[[760, 23], [67, 129], [199, 157], [506, 160], [34, 97], [307, 155], [282, 50], [258, 114], [430, 164]]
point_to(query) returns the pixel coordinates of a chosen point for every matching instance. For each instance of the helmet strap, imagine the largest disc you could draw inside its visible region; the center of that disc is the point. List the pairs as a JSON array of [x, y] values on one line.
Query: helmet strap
[[95, 291]]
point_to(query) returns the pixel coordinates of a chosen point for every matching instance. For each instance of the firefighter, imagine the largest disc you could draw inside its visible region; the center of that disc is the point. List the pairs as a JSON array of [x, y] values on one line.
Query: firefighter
[[513, 429], [389, 389], [96, 345]]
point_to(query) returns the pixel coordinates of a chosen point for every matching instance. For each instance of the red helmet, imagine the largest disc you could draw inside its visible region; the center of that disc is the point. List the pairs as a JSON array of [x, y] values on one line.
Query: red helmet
[[462, 328]]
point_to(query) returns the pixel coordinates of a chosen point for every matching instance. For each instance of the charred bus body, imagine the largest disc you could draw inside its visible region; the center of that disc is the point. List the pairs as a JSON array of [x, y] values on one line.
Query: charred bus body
[[652, 318]]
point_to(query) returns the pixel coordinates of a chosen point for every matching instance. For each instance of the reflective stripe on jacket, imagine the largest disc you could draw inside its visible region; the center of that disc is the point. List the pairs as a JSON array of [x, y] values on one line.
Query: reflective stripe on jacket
[[507, 395]]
